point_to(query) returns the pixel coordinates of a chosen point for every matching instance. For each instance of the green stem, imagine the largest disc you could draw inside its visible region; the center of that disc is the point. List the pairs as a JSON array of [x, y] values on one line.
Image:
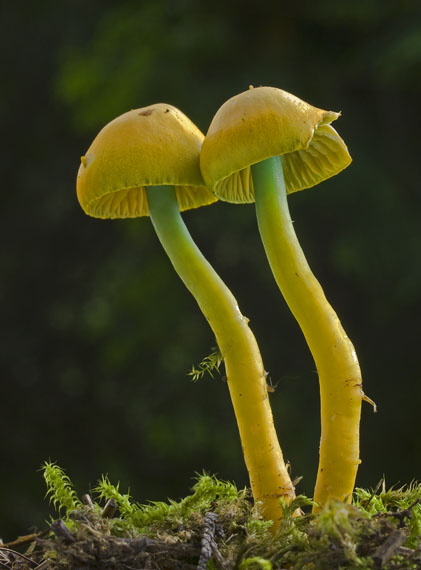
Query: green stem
[[336, 361], [244, 367]]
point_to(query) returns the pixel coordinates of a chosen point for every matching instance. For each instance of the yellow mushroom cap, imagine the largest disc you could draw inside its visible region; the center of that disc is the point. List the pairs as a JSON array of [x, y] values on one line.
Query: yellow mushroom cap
[[155, 145], [264, 122]]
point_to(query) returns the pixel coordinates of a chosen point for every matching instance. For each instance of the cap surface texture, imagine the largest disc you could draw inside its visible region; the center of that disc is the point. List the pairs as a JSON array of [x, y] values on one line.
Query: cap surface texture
[[154, 145], [264, 122]]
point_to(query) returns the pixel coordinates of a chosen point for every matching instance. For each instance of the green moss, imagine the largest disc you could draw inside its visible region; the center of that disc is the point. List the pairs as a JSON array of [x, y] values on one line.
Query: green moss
[[341, 536], [209, 365], [156, 515], [255, 562], [60, 489]]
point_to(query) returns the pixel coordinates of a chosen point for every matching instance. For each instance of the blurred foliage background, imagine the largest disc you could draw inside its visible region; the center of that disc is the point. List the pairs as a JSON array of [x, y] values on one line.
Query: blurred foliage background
[[97, 331]]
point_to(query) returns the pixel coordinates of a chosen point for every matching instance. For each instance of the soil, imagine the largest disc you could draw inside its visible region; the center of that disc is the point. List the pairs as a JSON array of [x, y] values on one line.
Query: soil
[[92, 547], [218, 527]]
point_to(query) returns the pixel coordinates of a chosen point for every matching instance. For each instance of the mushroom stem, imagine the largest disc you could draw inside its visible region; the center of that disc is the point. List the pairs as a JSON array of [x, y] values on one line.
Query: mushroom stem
[[269, 477], [336, 361]]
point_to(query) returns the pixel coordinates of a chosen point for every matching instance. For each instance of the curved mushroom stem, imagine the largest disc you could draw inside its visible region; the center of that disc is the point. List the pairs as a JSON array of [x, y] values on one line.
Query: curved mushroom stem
[[336, 361], [246, 378]]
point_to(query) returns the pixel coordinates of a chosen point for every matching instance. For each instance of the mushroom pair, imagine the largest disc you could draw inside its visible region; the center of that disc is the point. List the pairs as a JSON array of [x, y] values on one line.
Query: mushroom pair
[[261, 145]]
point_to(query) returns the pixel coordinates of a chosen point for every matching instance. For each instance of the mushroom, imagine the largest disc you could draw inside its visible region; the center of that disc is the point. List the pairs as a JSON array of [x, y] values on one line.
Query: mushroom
[[262, 145], [146, 162]]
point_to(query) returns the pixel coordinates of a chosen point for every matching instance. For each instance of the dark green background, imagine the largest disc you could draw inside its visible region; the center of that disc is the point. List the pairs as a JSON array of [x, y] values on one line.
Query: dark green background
[[98, 332]]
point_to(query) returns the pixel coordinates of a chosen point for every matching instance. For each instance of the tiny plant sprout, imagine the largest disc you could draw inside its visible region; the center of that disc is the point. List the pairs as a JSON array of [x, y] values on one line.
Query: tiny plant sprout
[[146, 163], [262, 145]]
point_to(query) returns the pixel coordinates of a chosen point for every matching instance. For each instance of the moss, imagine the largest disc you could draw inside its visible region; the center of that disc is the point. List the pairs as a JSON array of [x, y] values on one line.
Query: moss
[[217, 526], [60, 489], [209, 365]]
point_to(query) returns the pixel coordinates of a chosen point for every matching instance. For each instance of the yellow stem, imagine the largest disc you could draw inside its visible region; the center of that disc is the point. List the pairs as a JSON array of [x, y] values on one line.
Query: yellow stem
[[269, 477], [336, 361]]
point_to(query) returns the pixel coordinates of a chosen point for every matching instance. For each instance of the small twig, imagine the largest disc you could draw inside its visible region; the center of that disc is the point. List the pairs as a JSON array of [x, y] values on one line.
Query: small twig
[[374, 493], [401, 515], [31, 548], [386, 550], [407, 513], [60, 530], [86, 500], [27, 538], [405, 550], [42, 566], [109, 510], [6, 563], [15, 553]]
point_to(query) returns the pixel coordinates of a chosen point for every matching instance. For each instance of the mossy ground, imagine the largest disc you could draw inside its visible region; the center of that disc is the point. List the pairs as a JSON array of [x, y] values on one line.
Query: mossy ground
[[218, 527]]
